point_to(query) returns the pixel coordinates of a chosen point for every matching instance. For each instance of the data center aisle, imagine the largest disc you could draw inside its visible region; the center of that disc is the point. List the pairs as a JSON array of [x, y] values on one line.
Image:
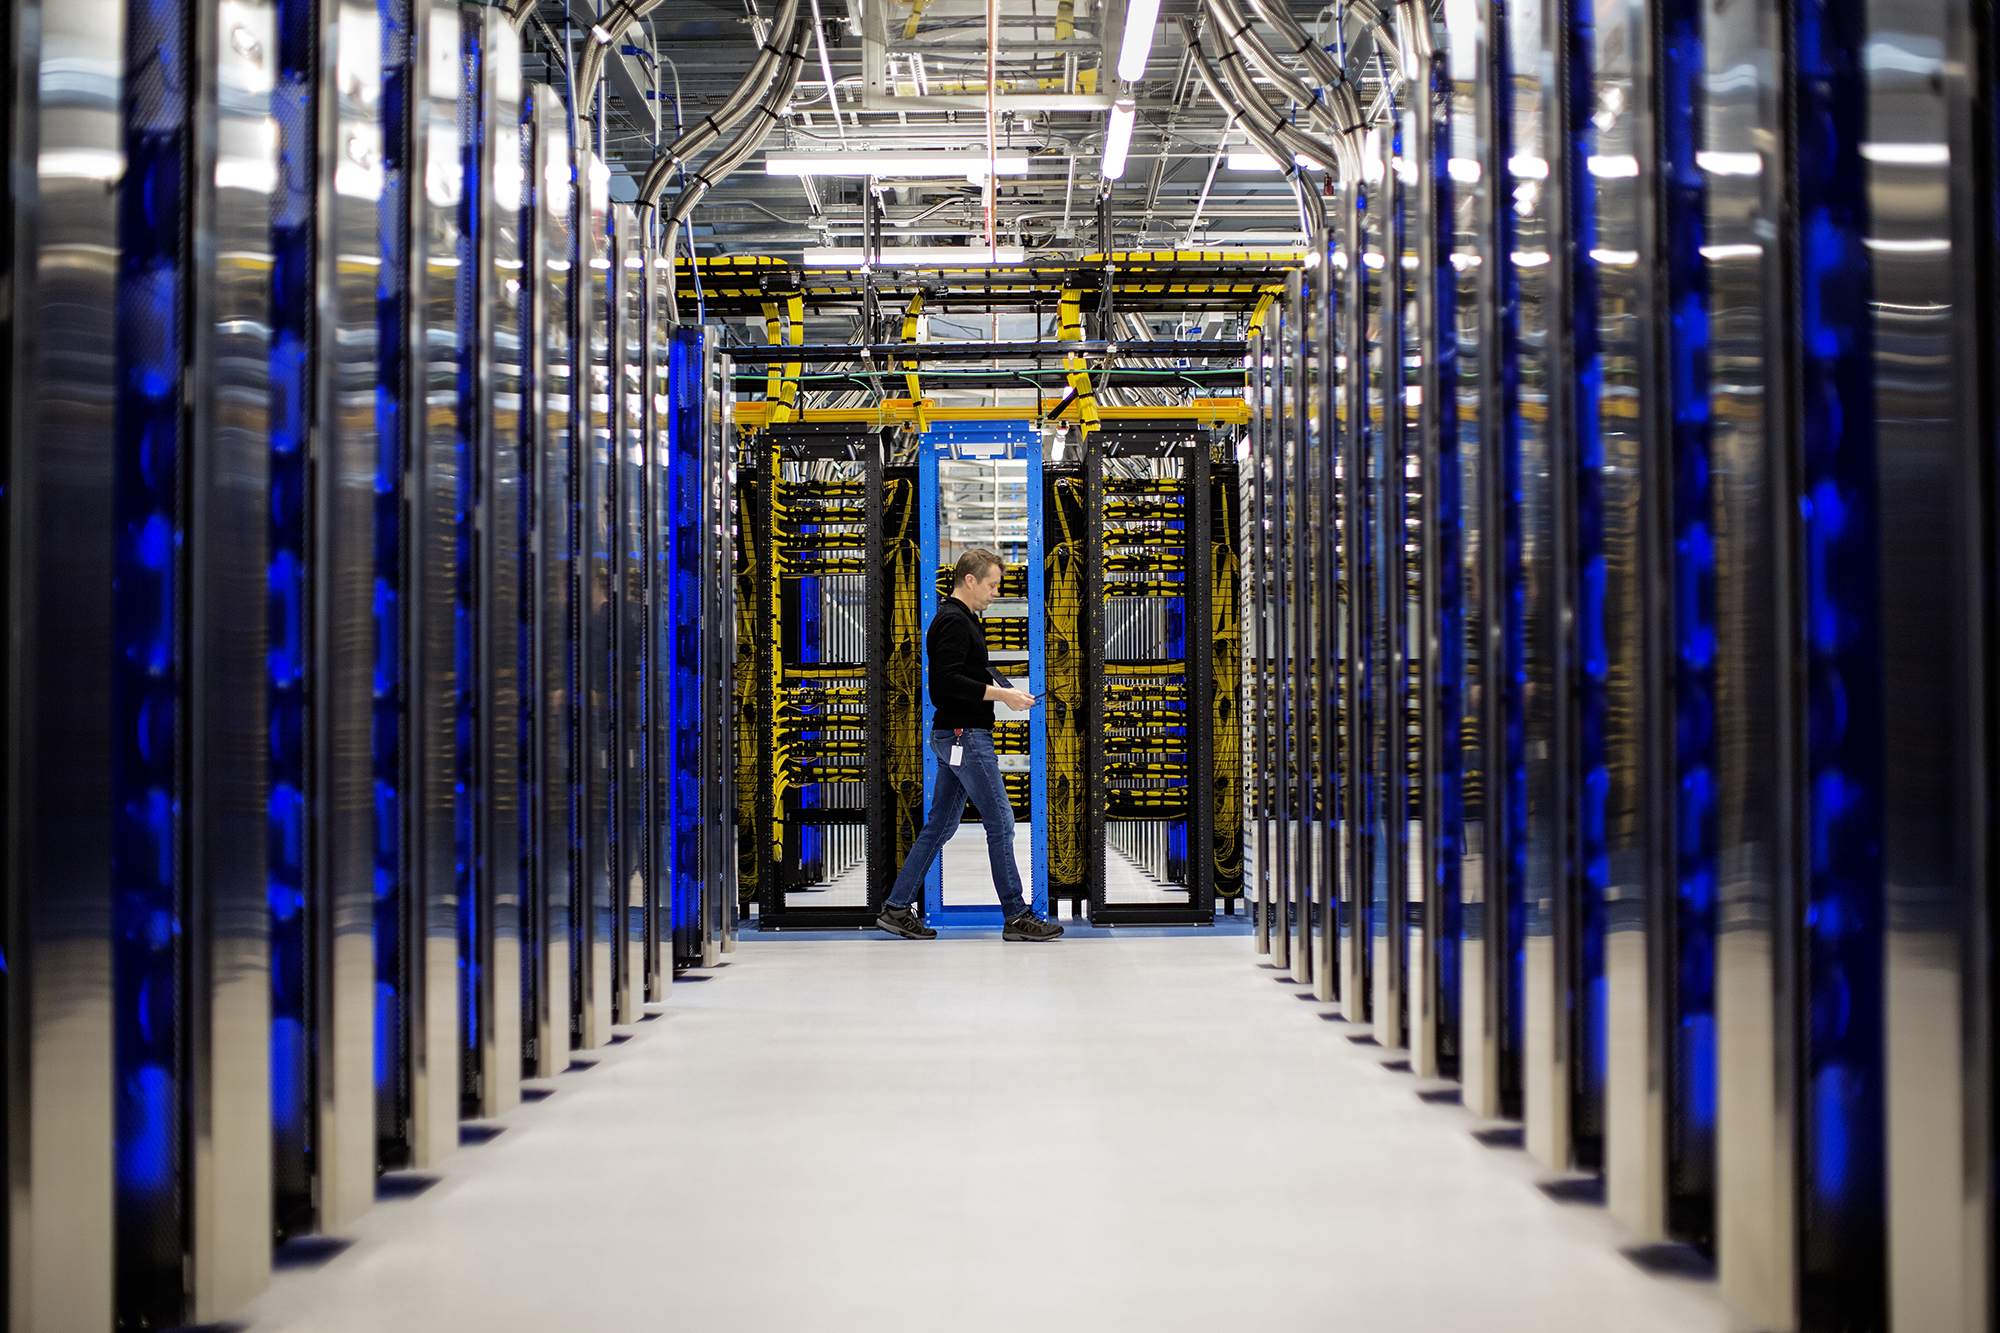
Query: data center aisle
[[1124, 1132]]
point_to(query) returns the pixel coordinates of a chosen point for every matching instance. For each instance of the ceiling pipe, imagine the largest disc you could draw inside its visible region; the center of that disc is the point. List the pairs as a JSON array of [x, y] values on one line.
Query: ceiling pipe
[[603, 33], [748, 140], [1239, 31], [1413, 32], [712, 127], [1333, 108], [1340, 154], [1312, 205]]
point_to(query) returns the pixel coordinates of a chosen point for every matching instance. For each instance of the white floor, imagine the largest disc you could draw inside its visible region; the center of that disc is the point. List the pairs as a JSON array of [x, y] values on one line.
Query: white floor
[[1107, 1133]]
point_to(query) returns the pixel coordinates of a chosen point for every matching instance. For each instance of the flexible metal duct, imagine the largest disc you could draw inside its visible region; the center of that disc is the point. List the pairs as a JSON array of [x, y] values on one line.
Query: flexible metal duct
[[1339, 153], [712, 127], [1330, 117], [748, 140], [1312, 206], [602, 34]]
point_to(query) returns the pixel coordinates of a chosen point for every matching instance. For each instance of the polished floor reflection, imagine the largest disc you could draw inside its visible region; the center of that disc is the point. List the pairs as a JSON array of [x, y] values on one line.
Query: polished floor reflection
[[1115, 1132]]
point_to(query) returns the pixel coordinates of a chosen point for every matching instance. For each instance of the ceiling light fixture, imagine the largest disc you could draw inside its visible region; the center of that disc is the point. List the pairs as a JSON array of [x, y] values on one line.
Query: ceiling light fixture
[[1141, 18], [1118, 138], [894, 164], [1251, 161]]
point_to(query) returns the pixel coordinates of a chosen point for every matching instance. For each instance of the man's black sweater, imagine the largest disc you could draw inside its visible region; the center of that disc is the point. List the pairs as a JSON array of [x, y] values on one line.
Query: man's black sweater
[[959, 675]]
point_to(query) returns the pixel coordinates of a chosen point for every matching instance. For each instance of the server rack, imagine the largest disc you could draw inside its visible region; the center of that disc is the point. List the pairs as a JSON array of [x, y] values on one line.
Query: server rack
[[293, 512], [1634, 527], [627, 313], [700, 654], [491, 527], [1149, 538], [1060, 825], [818, 781]]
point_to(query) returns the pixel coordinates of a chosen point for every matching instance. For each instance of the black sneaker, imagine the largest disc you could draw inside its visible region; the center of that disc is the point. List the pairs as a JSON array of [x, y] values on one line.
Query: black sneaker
[[902, 921], [1028, 926]]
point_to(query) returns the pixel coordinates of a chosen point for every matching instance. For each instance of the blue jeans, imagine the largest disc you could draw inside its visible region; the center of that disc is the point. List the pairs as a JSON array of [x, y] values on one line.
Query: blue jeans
[[978, 777]]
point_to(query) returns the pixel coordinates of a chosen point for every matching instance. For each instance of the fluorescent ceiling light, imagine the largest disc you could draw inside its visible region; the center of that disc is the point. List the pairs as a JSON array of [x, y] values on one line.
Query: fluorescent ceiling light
[[893, 164], [1118, 138], [1141, 17], [1730, 164], [1907, 154], [1251, 161], [943, 256]]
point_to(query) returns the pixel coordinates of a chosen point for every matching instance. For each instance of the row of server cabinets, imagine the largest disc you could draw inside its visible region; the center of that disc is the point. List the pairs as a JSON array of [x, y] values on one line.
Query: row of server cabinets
[[1123, 617], [1620, 622], [368, 542]]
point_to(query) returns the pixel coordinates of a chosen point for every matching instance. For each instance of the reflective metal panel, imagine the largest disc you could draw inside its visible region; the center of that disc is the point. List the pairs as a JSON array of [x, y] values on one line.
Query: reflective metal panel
[[346, 628], [590, 423], [1474, 164], [1324, 428], [1930, 227], [1389, 825], [1436, 947], [1284, 772], [1619, 647], [1350, 340], [629, 823], [1437, 1042], [229, 1112], [549, 580], [1755, 726], [1300, 523], [399, 398], [437, 496], [58, 565], [1257, 632], [490, 416]]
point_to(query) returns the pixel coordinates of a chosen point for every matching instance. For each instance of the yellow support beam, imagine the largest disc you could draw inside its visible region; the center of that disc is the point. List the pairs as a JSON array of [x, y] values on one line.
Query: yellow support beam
[[905, 411]]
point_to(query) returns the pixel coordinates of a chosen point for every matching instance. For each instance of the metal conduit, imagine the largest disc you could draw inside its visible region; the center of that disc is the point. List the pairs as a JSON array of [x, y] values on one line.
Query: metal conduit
[[712, 127], [1241, 32], [747, 141], [1341, 153], [602, 34], [1312, 207]]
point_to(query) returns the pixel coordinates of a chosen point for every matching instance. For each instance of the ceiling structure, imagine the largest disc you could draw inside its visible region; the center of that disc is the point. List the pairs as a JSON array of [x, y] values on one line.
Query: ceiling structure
[[911, 76]]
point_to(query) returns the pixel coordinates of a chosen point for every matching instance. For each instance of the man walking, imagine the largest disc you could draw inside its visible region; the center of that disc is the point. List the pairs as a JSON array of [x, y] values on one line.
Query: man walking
[[963, 691]]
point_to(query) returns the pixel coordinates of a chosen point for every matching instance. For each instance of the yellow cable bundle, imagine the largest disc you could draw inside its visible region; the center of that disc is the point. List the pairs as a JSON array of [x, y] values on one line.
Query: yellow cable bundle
[[1069, 329]]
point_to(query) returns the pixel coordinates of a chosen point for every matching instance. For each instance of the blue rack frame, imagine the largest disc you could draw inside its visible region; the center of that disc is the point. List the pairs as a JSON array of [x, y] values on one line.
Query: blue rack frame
[[1026, 436]]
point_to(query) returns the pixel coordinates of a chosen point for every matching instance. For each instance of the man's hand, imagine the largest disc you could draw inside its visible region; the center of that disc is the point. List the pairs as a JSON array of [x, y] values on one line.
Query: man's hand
[[1018, 700]]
